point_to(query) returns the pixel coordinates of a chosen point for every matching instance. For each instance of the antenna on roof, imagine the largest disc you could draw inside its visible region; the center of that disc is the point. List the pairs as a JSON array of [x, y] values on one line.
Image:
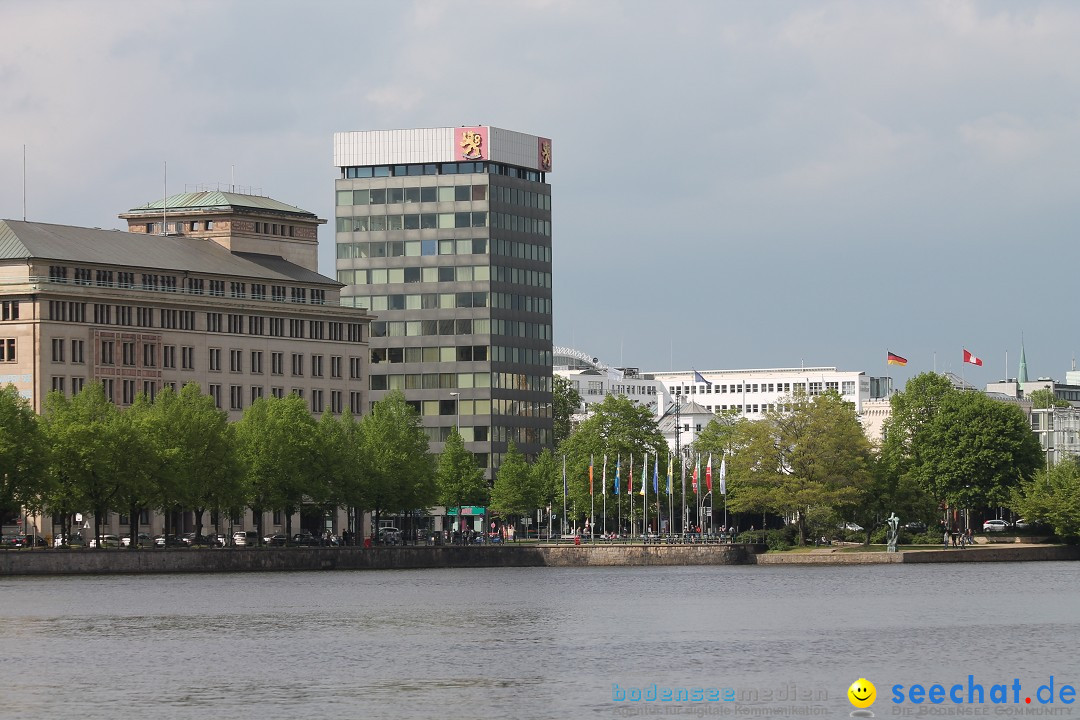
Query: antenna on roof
[[232, 178], [24, 182]]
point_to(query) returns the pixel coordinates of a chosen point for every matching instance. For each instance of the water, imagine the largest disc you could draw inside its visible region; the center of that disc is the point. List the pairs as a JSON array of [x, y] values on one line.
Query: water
[[525, 642]]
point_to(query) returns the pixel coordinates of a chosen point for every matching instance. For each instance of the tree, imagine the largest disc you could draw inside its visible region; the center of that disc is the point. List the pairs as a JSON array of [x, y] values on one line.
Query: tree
[[1052, 497], [461, 481], [565, 402], [515, 491], [399, 465], [133, 462], [81, 434], [618, 429], [1045, 398], [199, 468], [276, 441], [22, 453]]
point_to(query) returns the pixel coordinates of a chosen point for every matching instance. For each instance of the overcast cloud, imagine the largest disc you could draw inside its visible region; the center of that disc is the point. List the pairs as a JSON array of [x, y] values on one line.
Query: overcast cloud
[[751, 184]]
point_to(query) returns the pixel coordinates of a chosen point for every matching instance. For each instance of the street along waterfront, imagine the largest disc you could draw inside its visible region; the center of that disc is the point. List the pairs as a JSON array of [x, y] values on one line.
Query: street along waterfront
[[532, 642]]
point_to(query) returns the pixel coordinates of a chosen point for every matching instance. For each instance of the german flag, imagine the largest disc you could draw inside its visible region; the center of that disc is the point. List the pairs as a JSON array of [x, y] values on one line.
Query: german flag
[[895, 359]]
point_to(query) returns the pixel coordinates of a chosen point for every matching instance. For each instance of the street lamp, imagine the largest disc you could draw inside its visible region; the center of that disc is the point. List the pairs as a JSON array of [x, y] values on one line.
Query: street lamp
[[457, 411]]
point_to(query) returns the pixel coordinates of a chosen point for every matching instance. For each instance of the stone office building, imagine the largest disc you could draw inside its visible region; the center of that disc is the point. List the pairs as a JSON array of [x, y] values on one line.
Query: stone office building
[[215, 288]]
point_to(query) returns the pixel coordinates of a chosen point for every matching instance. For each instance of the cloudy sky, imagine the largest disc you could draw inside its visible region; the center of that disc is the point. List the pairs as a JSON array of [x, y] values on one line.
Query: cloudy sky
[[736, 184]]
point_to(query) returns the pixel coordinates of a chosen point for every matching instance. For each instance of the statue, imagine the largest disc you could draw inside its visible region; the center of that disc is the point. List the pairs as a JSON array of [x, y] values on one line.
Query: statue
[[893, 522]]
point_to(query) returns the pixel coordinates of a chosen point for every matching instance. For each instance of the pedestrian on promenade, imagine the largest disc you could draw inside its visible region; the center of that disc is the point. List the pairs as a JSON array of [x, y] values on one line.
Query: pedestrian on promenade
[[946, 547]]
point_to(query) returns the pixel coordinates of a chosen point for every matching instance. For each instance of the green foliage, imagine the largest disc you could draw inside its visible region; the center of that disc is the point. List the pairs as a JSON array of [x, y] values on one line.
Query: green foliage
[[1052, 498], [565, 401], [22, 452], [460, 479], [1045, 398], [516, 491], [617, 429], [399, 468]]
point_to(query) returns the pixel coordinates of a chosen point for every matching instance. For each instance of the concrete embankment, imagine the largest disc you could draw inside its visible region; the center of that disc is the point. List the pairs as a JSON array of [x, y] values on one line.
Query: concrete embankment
[[90, 562], [978, 554]]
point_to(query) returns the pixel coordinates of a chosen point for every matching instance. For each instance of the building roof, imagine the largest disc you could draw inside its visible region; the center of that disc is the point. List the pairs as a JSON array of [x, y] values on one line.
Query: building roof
[[218, 200], [21, 240]]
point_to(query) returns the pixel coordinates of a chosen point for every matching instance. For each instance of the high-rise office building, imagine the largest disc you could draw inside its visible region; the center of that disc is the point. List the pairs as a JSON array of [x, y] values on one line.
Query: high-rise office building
[[444, 234]]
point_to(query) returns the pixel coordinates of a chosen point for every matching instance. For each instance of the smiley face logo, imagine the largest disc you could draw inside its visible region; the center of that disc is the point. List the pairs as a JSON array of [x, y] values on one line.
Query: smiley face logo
[[862, 693]]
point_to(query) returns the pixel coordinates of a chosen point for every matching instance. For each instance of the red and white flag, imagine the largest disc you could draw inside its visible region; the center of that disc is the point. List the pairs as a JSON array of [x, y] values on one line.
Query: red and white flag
[[969, 358]]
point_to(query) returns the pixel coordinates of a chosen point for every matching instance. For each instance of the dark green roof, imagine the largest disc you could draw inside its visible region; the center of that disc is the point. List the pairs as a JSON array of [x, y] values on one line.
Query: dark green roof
[[217, 200]]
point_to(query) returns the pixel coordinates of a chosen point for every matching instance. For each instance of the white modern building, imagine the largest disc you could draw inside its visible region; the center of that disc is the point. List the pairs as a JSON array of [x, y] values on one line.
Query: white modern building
[[752, 393], [595, 380]]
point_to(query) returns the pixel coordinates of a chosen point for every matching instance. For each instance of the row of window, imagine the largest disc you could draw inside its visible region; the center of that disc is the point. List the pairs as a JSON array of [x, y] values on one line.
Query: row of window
[[459, 168], [234, 323], [521, 381], [430, 381], [416, 328], [191, 285], [519, 435], [411, 248], [521, 356], [412, 221], [810, 388], [422, 301], [524, 303], [521, 276], [237, 399], [387, 276], [437, 353], [409, 195], [469, 433], [521, 328]]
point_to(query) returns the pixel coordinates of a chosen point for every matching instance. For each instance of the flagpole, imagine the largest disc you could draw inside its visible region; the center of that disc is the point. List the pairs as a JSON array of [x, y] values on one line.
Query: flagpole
[[645, 500], [670, 505], [604, 488], [682, 472], [592, 503], [563, 495]]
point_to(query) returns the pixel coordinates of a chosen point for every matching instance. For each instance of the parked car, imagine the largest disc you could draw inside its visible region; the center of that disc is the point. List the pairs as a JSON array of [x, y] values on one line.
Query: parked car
[[275, 539], [245, 538], [143, 540], [995, 526], [305, 538], [193, 540], [1020, 524], [107, 541], [390, 536], [164, 541], [76, 540], [853, 527]]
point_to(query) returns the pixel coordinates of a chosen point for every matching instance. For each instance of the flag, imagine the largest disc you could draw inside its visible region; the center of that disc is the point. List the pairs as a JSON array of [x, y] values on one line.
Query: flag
[[969, 358], [590, 475], [618, 466], [708, 474], [644, 475], [699, 378], [630, 480], [656, 475], [895, 359], [669, 474], [723, 475], [693, 477], [603, 478], [565, 492]]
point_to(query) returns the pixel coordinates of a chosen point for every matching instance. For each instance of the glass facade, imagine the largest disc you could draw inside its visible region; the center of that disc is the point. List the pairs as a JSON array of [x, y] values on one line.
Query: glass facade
[[454, 259]]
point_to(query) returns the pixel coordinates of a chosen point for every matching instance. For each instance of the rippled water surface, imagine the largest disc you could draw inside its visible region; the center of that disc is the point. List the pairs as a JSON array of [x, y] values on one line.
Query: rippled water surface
[[523, 642]]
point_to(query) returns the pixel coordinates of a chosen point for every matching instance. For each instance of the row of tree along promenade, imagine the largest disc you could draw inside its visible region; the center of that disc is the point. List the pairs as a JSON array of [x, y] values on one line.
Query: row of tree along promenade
[[948, 456]]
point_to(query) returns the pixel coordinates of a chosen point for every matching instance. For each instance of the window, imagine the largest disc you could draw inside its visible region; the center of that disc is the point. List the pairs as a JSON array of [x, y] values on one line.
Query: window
[[213, 322], [317, 401], [128, 390], [256, 393], [277, 363], [277, 392], [355, 402], [214, 391], [187, 358], [258, 291], [335, 366], [77, 384], [58, 384], [215, 359], [297, 364], [316, 366], [277, 327], [355, 367], [107, 352], [236, 361], [9, 310], [58, 350], [78, 351], [257, 362], [236, 397], [149, 355], [217, 288], [236, 324], [335, 402], [168, 357]]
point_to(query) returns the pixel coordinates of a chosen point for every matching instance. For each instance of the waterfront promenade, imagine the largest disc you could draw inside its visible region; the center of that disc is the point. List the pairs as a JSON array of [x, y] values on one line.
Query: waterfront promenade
[[92, 562]]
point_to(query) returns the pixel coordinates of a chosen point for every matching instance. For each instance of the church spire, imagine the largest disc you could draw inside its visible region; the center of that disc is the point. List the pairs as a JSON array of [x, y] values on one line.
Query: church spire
[[1022, 376]]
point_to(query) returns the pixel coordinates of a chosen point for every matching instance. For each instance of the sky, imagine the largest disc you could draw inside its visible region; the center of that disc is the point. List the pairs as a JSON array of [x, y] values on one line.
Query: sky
[[734, 184]]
